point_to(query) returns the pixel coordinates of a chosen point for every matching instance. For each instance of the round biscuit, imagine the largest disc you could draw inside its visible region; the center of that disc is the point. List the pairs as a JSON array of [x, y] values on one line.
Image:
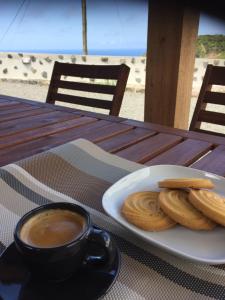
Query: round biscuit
[[180, 183], [176, 205], [210, 204], [142, 209]]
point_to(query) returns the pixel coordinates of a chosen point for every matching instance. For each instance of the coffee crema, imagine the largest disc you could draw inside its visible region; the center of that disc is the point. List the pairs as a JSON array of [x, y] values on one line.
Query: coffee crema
[[52, 228]]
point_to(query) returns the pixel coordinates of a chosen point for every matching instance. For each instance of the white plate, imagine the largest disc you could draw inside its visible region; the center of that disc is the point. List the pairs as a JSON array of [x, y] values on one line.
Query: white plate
[[205, 247]]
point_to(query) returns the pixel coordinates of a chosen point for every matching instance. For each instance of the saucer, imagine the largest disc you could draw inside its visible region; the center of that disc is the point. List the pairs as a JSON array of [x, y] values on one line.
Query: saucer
[[87, 283]]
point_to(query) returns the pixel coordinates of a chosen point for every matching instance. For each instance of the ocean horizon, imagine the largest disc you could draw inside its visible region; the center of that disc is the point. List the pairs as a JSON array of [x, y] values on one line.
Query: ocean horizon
[[99, 52]]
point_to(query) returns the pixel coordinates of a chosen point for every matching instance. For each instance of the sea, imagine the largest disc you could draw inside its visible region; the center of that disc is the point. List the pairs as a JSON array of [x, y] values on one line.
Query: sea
[[99, 52]]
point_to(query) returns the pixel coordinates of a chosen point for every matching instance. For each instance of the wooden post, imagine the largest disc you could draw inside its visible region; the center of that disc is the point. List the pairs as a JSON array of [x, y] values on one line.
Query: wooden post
[[84, 27], [172, 34]]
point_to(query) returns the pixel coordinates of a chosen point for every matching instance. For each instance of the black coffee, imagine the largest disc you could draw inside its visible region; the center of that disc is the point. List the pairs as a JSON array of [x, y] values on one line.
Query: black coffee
[[52, 228]]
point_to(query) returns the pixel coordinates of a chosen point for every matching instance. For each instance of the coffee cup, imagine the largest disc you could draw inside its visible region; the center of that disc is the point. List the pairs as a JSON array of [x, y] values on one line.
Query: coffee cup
[[55, 241]]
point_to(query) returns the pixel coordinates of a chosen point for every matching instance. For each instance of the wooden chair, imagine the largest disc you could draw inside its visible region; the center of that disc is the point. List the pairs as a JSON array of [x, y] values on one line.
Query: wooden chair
[[214, 75], [104, 72]]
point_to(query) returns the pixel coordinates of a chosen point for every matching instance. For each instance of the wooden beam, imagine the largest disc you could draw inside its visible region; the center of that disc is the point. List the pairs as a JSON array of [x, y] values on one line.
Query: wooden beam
[[172, 34]]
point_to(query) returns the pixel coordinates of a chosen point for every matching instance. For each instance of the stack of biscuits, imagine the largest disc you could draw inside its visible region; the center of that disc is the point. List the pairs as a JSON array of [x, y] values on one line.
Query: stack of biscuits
[[186, 201]]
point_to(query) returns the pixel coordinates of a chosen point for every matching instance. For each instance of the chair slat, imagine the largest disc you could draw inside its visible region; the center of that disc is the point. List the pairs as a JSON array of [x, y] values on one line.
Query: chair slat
[[85, 71], [214, 98], [87, 87], [83, 101], [211, 117], [217, 76]]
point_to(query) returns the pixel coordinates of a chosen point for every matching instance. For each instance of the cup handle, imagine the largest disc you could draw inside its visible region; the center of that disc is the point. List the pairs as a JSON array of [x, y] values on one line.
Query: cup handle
[[100, 248]]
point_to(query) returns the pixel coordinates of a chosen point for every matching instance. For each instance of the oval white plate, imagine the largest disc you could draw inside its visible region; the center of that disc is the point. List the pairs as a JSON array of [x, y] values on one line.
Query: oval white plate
[[205, 247]]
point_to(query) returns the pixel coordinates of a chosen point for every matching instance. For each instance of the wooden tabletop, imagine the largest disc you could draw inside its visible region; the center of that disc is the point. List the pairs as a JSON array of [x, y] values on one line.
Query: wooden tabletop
[[29, 127]]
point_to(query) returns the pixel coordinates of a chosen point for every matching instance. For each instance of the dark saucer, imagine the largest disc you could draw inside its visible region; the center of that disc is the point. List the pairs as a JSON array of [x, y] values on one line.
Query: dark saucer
[[16, 282]]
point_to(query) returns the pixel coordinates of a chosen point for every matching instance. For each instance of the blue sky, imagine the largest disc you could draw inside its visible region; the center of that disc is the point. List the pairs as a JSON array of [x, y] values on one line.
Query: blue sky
[[53, 25], [209, 25]]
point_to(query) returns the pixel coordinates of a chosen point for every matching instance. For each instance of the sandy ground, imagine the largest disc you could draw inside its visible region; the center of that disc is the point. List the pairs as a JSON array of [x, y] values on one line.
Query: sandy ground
[[132, 107]]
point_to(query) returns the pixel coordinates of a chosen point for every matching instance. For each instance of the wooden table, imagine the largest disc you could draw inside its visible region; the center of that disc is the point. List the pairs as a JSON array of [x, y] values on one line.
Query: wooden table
[[29, 127]]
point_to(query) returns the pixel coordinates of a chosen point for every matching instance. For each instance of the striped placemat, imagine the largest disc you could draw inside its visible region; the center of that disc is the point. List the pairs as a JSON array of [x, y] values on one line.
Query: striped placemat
[[80, 172]]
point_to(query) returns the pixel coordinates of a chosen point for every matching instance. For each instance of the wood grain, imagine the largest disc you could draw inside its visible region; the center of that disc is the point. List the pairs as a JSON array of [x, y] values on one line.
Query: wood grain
[[11, 154], [13, 126], [170, 62], [33, 134], [7, 104], [21, 107], [124, 140], [184, 153], [21, 113], [107, 132], [14, 153], [35, 127], [149, 148], [211, 138], [213, 162]]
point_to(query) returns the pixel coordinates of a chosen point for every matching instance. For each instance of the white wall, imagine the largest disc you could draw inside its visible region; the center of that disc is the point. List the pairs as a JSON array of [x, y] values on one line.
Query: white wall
[[39, 66], [36, 67]]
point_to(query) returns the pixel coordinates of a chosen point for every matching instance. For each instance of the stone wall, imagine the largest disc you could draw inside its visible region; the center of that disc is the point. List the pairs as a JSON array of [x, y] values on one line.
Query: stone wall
[[32, 67], [38, 67]]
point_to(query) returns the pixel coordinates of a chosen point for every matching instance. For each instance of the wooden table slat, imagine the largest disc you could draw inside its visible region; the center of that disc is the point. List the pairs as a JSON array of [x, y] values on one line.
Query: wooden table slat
[[8, 104], [4, 98], [213, 162], [149, 148], [13, 126], [14, 153], [216, 140], [184, 153], [19, 108], [26, 112], [106, 132], [32, 134], [124, 140]]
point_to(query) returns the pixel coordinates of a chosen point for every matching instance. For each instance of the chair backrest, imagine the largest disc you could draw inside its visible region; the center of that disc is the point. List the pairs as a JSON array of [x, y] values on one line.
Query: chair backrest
[[117, 73], [214, 75]]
